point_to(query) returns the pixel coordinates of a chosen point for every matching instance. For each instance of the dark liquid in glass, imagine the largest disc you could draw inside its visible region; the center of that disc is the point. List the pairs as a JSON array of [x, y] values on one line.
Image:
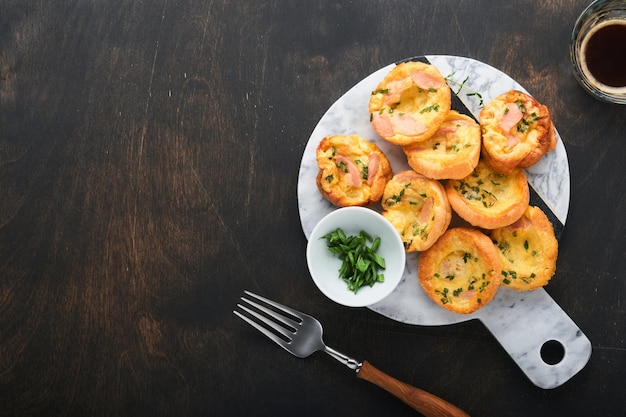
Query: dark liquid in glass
[[606, 54]]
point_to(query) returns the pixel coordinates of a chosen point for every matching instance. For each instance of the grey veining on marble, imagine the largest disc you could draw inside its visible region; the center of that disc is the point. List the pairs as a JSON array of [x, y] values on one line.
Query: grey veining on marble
[[521, 321]]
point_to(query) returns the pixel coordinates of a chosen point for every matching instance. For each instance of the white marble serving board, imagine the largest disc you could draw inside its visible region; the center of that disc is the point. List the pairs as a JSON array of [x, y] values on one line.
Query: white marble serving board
[[522, 322]]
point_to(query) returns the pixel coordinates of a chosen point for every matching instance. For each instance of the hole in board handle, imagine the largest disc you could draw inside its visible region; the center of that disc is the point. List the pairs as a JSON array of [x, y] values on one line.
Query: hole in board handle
[[552, 352]]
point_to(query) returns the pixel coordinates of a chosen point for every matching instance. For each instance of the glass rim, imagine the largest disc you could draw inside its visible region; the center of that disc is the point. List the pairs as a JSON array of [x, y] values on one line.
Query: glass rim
[[594, 12]]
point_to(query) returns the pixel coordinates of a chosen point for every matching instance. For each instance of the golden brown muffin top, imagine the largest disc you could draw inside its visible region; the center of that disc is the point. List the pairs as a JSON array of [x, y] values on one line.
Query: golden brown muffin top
[[488, 199], [352, 170], [410, 103], [528, 250], [461, 272], [418, 209], [516, 131], [452, 152]]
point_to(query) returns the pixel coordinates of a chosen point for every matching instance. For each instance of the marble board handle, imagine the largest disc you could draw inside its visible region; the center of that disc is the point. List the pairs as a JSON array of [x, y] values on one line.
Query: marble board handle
[[528, 325]]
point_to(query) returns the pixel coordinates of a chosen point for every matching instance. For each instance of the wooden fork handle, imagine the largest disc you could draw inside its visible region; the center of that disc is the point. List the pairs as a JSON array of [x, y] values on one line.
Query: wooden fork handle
[[426, 403]]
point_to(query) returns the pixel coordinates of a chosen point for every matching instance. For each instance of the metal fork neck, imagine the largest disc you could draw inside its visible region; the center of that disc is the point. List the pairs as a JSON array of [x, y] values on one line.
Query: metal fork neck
[[346, 360]]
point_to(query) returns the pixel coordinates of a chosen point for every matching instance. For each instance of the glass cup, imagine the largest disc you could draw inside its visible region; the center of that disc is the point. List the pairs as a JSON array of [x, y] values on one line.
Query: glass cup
[[598, 50]]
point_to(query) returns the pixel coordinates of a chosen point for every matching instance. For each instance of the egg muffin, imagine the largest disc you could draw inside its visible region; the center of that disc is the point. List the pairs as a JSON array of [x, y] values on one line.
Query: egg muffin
[[410, 103], [352, 170], [489, 199], [418, 209], [462, 271], [516, 131], [528, 250], [452, 152]]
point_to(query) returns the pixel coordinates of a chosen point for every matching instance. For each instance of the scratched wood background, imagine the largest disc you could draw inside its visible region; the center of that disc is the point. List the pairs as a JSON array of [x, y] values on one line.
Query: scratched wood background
[[149, 153]]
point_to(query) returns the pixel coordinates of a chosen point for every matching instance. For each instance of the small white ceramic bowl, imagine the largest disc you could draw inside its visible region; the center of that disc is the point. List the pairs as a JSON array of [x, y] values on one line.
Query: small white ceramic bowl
[[324, 266]]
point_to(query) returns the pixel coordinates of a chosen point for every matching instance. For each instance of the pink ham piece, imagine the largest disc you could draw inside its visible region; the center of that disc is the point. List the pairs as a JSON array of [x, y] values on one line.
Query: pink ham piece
[[452, 126], [511, 117], [382, 125], [445, 130], [388, 126], [407, 125], [511, 140], [353, 170], [394, 91], [372, 167], [425, 80], [446, 267], [467, 295], [422, 79], [426, 208]]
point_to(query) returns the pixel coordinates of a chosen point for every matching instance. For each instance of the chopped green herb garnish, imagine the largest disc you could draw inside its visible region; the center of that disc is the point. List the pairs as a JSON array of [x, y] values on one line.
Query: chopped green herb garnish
[[434, 107], [460, 86], [445, 299], [522, 127], [473, 281], [364, 169], [360, 262], [342, 166]]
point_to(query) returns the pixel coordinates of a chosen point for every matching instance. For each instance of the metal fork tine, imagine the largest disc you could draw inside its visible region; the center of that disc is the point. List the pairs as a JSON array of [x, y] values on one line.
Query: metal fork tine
[[260, 328], [268, 323], [305, 338], [284, 308], [277, 316]]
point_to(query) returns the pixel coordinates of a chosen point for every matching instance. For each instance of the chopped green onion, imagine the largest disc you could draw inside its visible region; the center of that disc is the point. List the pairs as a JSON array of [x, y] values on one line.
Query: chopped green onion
[[360, 262]]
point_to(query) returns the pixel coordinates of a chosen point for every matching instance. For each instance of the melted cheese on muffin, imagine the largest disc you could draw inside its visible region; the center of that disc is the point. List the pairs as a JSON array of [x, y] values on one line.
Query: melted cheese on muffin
[[461, 272], [352, 170], [452, 152], [516, 130], [488, 199], [528, 250], [418, 209], [410, 103]]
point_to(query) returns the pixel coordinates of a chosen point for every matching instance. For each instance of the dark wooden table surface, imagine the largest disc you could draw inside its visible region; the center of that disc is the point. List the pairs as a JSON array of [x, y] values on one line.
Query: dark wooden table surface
[[149, 155]]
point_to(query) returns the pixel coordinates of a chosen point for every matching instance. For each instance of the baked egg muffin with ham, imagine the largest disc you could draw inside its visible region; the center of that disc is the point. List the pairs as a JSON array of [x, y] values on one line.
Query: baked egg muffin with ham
[[410, 103], [516, 131], [461, 272], [489, 199], [451, 152], [418, 209], [352, 170], [528, 250]]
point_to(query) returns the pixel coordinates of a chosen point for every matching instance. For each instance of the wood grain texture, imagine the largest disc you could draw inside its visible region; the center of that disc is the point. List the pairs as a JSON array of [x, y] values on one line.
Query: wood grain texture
[[422, 401], [149, 153]]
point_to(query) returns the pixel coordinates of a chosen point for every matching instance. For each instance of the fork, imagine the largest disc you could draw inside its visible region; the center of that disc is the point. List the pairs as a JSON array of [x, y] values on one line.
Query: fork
[[301, 335]]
